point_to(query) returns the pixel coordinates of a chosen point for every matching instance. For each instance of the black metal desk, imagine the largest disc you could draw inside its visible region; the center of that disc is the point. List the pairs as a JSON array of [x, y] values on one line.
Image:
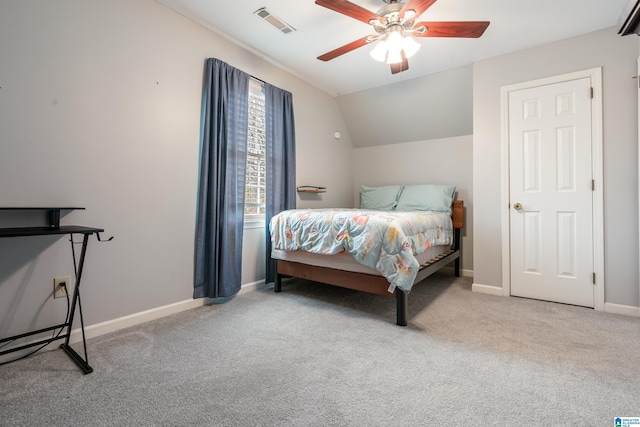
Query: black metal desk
[[54, 228]]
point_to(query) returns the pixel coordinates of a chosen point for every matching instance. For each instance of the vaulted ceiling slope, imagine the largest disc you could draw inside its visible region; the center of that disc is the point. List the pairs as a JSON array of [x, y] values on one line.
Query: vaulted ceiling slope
[[515, 25]]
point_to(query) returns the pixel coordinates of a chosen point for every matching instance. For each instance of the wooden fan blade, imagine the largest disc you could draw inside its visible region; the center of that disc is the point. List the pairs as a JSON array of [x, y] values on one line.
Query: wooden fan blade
[[418, 5], [350, 9], [400, 66], [344, 49], [468, 29]]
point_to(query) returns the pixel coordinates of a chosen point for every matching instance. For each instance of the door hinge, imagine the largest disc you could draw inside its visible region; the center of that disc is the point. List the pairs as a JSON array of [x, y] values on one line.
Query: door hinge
[[591, 93], [593, 185], [594, 278]]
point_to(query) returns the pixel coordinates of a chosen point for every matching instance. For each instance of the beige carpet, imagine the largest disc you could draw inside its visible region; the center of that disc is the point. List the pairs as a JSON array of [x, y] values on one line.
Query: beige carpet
[[316, 355]]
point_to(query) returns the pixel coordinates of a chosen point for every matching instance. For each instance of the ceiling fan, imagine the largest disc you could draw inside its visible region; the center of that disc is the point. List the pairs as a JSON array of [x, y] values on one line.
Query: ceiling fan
[[395, 25]]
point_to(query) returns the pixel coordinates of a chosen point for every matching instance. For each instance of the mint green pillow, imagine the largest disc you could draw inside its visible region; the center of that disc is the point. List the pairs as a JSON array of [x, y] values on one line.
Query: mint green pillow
[[382, 198], [427, 197]]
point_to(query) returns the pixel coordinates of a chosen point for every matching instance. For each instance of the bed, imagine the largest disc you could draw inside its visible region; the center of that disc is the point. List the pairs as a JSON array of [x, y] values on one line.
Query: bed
[[398, 237]]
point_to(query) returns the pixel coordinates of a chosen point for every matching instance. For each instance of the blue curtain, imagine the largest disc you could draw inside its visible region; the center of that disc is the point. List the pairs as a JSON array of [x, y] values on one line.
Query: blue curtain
[[220, 212], [280, 156]]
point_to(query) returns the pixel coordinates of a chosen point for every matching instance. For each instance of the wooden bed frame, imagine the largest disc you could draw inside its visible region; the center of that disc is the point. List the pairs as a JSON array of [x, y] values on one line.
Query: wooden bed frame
[[373, 284]]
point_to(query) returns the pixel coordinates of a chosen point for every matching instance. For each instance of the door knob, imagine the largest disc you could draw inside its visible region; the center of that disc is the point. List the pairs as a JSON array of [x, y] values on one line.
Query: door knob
[[517, 206]]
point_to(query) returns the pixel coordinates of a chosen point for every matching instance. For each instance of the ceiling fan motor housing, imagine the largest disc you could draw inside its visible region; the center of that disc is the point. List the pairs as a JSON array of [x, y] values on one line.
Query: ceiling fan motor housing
[[391, 12], [391, 15]]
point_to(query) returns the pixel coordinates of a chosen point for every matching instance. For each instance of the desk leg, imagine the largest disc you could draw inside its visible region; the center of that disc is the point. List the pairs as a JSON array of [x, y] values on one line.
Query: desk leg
[[82, 363]]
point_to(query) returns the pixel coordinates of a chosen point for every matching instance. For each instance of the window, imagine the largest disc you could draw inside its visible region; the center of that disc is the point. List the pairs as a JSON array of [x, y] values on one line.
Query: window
[[254, 192]]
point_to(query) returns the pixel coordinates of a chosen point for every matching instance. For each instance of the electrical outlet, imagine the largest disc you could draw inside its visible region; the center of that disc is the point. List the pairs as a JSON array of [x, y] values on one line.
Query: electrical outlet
[[61, 286]]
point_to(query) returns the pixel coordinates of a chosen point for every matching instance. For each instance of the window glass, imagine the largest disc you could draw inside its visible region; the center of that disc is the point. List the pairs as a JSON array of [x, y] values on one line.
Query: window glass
[[254, 200]]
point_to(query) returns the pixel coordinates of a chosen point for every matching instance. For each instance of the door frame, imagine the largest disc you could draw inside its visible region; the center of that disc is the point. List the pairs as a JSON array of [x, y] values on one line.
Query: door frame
[[597, 166], [638, 80]]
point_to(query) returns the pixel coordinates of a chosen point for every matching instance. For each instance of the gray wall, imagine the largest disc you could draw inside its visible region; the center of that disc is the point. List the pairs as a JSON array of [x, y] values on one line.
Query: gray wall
[[100, 107], [437, 161], [429, 107], [617, 55]]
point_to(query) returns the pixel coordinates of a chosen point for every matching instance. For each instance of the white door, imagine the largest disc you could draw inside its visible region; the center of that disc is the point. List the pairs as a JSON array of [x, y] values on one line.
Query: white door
[[551, 192]]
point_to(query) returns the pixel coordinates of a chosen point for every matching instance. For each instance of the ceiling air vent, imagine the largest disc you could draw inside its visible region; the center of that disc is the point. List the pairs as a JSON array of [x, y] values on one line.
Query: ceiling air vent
[[274, 20]]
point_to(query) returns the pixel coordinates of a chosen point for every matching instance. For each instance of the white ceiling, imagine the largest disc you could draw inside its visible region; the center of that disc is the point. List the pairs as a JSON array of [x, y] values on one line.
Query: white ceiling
[[515, 25]]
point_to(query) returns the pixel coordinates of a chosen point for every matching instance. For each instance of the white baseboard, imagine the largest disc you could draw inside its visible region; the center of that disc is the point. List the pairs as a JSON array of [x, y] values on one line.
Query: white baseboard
[[98, 329], [252, 286], [626, 310], [149, 315], [463, 272], [109, 326], [486, 289]]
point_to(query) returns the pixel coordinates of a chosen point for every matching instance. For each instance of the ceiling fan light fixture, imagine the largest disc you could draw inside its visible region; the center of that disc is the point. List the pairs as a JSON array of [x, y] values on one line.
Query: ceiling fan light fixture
[[379, 53], [394, 47], [394, 56], [410, 46], [394, 38]]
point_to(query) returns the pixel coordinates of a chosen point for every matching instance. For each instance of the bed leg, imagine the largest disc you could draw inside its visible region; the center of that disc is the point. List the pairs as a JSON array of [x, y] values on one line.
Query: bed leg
[[456, 267], [277, 284], [401, 308]]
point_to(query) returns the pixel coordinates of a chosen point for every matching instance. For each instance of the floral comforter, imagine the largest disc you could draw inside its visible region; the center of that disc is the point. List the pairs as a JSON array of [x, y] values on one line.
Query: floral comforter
[[385, 240]]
